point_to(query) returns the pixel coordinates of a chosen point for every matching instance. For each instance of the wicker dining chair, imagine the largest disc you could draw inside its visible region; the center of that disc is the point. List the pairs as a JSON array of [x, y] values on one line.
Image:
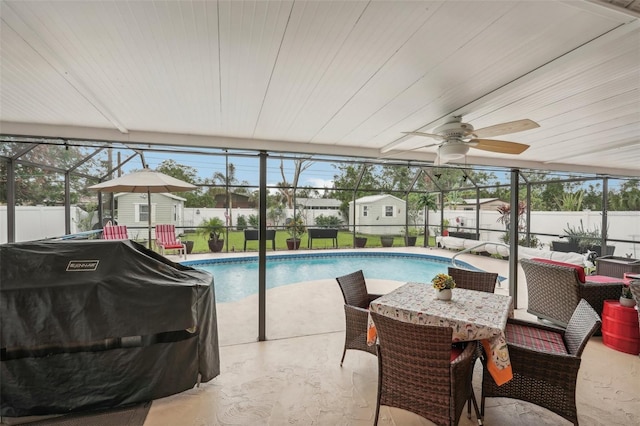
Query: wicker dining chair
[[356, 311], [416, 371], [545, 362], [474, 280]]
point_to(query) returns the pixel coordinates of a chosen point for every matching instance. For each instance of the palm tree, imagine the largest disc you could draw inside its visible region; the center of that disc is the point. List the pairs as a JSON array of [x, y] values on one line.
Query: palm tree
[[228, 179], [427, 201], [454, 198]]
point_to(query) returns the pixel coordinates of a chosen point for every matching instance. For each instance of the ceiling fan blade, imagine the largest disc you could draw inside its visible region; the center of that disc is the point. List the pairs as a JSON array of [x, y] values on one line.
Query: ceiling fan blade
[[503, 147], [505, 128], [427, 135]]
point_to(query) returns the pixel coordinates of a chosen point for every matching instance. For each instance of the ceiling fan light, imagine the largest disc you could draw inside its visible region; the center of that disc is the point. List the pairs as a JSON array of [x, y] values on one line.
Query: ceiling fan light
[[453, 151]]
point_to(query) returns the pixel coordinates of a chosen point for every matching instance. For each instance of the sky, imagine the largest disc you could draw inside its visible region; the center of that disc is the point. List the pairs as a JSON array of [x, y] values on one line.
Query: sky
[[319, 175]]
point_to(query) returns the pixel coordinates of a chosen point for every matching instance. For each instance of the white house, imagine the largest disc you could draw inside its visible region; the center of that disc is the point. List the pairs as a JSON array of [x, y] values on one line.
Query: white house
[[133, 211], [314, 207], [378, 214]]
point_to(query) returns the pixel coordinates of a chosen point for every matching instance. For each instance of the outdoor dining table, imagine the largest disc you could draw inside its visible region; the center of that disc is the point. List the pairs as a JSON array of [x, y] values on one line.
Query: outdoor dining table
[[473, 315]]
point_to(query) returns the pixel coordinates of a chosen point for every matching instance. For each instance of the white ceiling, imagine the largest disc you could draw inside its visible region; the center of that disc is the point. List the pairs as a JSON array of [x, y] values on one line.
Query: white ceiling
[[339, 78]]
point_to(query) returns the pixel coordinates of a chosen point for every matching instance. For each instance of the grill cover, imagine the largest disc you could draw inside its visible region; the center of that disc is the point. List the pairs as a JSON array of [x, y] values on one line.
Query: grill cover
[[94, 324]]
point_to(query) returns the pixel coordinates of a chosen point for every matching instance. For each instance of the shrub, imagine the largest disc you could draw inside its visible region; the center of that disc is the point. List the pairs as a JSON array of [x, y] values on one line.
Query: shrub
[[241, 223], [328, 221], [295, 227]]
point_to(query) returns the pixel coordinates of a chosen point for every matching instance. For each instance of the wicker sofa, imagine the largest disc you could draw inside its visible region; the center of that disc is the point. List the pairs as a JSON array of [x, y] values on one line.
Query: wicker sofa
[[554, 290]]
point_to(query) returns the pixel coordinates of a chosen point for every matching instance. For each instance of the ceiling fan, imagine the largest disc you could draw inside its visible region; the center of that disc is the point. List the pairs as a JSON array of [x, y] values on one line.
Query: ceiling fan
[[457, 137]]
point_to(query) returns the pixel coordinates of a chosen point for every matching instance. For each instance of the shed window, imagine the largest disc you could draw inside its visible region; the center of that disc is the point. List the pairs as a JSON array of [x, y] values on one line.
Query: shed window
[[365, 210], [143, 213], [388, 211]]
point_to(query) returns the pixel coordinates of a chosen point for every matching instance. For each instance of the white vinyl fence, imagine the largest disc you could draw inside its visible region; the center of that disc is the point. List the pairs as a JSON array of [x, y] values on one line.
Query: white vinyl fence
[[39, 222]]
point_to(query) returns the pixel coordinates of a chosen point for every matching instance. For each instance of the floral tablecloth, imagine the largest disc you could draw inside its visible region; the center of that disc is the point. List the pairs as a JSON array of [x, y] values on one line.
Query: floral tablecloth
[[473, 315]]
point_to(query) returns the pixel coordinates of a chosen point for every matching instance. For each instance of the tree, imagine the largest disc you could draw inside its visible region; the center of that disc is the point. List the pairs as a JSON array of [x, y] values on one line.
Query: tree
[[223, 183], [241, 223], [453, 198], [627, 198], [85, 223], [571, 202], [275, 214], [395, 178], [288, 189], [345, 179], [187, 174], [40, 185], [178, 171]]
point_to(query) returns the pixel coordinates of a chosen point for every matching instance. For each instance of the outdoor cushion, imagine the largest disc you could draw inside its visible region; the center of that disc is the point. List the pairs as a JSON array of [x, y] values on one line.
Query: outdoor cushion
[[172, 246], [535, 338], [455, 353], [579, 269], [601, 279]]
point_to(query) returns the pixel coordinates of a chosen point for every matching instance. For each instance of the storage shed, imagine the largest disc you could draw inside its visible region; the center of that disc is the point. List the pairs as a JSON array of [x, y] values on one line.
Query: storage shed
[[132, 211], [378, 214]]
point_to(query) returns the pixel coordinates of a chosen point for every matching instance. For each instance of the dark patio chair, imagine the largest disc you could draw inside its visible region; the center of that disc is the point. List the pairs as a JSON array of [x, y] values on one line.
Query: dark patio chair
[[545, 362], [418, 370], [554, 290], [474, 280], [356, 311]]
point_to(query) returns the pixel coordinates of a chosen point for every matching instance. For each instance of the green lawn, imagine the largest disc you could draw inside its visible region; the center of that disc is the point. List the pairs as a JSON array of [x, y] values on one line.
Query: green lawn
[[235, 241]]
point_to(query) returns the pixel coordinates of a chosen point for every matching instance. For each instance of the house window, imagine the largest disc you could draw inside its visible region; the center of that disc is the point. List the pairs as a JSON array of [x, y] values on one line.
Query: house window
[[388, 211], [365, 210]]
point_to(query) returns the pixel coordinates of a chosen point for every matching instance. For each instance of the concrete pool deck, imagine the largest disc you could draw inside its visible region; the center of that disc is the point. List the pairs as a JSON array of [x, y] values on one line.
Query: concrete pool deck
[[238, 321], [295, 377]]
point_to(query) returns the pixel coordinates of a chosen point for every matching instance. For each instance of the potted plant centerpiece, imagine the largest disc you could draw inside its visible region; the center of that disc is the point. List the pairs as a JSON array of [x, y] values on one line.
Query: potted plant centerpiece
[[295, 228], [626, 298], [212, 229], [443, 283]]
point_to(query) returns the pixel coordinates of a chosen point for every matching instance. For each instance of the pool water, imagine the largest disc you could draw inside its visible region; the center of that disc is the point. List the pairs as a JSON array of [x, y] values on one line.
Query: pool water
[[235, 279]]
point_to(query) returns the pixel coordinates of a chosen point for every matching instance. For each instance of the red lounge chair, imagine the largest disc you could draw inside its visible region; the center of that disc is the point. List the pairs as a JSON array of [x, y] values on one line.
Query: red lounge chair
[[166, 240], [115, 232]]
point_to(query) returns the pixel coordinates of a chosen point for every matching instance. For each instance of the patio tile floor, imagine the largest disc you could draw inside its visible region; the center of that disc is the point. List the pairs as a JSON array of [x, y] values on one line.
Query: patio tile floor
[[295, 377]]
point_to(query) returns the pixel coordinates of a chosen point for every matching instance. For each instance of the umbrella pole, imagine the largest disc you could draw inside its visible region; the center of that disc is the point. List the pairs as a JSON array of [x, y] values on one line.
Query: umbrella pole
[[149, 206]]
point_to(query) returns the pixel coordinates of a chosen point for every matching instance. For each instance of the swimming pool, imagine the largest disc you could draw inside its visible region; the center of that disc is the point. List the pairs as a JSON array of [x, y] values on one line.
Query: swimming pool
[[237, 278]]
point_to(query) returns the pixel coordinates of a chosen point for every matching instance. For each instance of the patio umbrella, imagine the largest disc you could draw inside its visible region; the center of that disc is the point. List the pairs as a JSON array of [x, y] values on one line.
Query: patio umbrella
[[145, 181]]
